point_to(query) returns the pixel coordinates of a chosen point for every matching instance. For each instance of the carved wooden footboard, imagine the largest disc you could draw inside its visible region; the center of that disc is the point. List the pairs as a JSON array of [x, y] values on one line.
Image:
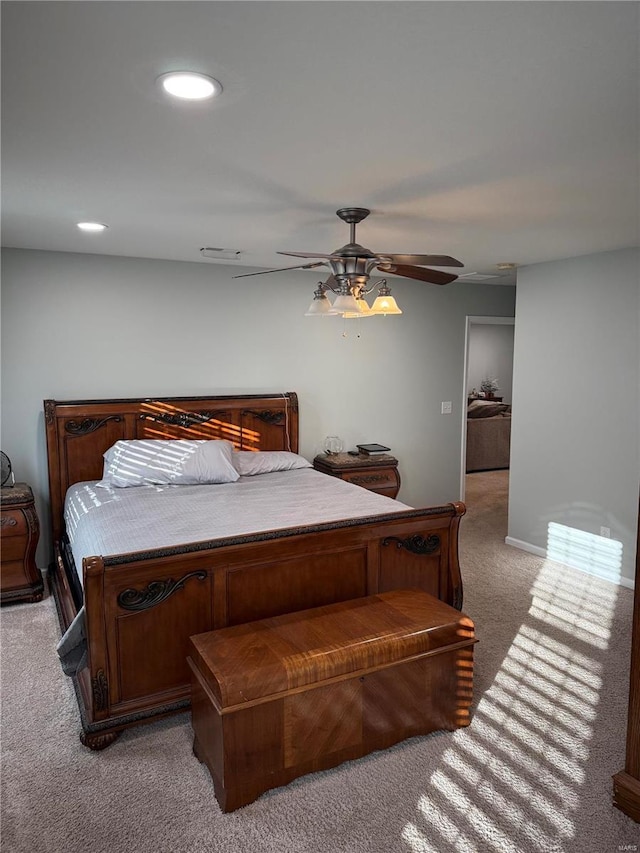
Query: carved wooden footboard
[[141, 608]]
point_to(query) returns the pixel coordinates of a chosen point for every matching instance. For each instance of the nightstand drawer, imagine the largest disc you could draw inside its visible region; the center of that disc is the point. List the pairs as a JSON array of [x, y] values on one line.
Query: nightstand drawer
[[12, 523], [373, 480], [13, 548], [12, 573]]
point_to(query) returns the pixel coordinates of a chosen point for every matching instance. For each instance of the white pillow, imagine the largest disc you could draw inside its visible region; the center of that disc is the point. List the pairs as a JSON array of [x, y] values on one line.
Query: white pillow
[[249, 462], [161, 462]]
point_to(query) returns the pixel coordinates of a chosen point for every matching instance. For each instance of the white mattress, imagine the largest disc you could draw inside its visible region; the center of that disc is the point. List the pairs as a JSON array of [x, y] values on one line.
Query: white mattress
[[110, 521]]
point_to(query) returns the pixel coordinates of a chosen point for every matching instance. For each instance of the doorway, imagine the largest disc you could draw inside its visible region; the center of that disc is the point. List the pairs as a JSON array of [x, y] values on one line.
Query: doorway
[[488, 352]]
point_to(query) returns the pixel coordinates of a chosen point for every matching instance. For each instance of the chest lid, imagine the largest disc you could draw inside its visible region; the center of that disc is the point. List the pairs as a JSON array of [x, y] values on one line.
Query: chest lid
[[257, 660]]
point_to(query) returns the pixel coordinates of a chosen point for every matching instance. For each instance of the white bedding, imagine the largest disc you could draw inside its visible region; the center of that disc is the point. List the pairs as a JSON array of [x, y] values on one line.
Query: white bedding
[[110, 521]]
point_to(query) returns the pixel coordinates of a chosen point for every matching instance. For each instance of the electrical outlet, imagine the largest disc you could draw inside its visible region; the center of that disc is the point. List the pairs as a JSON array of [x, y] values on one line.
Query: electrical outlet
[[606, 532], [445, 408]]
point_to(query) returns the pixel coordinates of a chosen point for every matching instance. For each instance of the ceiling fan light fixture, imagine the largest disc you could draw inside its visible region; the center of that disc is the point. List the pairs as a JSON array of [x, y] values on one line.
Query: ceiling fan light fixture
[[365, 311], [385, 305], [320, 307], [346, 304], [189, 85], [351, 269]]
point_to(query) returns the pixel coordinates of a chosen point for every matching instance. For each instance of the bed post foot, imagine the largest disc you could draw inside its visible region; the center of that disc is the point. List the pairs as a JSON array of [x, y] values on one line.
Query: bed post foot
[[99, 740]]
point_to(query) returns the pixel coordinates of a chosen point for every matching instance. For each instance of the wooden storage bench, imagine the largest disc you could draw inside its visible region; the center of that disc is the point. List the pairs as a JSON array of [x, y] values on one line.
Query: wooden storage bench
[[278, 698]]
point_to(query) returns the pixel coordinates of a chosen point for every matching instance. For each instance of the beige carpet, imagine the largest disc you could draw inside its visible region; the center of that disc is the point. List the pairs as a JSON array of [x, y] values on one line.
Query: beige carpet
[[532, 772]]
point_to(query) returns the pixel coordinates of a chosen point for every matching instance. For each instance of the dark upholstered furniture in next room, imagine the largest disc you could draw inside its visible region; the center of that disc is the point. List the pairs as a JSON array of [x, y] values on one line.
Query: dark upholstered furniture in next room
[[488, 435]]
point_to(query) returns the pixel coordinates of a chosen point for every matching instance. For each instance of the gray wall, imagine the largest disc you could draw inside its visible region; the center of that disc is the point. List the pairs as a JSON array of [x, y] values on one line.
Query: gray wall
[[575, 453], [78, 326], [491, 354]]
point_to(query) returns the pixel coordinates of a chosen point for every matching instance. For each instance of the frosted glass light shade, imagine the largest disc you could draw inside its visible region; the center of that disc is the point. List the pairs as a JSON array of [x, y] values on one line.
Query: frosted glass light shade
[[385, 305], [346, 304], [365, 311], [320, 307]]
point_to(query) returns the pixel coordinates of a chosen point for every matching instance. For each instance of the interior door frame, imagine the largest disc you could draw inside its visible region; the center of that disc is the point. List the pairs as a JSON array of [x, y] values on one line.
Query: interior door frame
[[471, 321]]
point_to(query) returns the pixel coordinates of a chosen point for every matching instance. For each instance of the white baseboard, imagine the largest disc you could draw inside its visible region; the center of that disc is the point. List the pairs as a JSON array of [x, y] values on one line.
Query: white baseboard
[[525, 546], [541, 552]]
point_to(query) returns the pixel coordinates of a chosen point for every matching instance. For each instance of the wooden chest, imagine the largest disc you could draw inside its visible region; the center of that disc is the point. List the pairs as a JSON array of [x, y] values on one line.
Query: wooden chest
[[281, 697]]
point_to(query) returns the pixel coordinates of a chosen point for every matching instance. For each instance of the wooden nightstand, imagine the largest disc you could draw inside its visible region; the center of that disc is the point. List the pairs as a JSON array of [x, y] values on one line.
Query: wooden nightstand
[[20, 579], [377, 473]]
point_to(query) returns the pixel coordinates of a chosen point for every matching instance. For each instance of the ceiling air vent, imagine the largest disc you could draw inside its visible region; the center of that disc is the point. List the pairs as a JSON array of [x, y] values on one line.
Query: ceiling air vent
[[476, 276], [214, 254]]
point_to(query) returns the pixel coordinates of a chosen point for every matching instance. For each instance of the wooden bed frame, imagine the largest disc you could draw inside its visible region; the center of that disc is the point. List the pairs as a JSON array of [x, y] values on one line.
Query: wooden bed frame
[[141, 608]]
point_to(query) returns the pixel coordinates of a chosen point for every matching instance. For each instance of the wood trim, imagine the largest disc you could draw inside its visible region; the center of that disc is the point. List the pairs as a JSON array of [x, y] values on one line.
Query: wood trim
[[626, 794], [96, 638], [626, 785], [453, 580]]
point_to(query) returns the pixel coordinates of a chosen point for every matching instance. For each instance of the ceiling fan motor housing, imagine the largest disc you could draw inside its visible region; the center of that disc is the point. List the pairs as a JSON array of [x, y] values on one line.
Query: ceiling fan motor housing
[[352, 263], [352, 271]]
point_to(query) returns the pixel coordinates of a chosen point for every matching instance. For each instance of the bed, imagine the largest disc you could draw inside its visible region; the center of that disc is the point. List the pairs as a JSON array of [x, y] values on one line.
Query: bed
[[488, 435], [137, 607]]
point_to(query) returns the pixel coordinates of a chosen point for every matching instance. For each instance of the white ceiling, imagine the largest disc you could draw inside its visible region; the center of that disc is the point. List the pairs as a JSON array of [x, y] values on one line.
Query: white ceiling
[[490, 131]]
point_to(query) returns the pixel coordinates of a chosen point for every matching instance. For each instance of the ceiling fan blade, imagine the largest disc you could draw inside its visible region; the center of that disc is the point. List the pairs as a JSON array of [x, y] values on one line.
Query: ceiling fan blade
[[431, 260], [307, 254], [432, 276], [282, 269]]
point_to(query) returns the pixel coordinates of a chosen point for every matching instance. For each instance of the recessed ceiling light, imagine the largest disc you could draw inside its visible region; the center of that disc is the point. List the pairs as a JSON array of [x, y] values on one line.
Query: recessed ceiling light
[[189, 85], [92, 226]]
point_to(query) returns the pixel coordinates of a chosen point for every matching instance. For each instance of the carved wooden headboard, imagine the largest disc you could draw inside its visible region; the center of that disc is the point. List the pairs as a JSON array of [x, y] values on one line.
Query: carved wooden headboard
[[80, 431]]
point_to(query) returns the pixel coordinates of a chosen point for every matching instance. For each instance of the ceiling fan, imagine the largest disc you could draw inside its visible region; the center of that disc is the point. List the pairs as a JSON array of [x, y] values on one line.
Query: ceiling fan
[[352, 264]]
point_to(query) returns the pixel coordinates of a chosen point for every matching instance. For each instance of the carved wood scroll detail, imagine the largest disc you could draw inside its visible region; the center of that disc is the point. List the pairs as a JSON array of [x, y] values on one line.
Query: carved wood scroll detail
[[181, 419], [156, 592], [87, 425], [415, 544], [369, 478], [100, 688], [267, 416]]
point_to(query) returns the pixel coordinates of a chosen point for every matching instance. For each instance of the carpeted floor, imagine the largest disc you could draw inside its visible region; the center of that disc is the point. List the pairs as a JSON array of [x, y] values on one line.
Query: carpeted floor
[[531, 774]]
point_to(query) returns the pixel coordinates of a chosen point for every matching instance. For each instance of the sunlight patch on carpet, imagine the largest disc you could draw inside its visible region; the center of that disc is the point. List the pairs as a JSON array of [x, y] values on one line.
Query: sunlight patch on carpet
[[513, 779]]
